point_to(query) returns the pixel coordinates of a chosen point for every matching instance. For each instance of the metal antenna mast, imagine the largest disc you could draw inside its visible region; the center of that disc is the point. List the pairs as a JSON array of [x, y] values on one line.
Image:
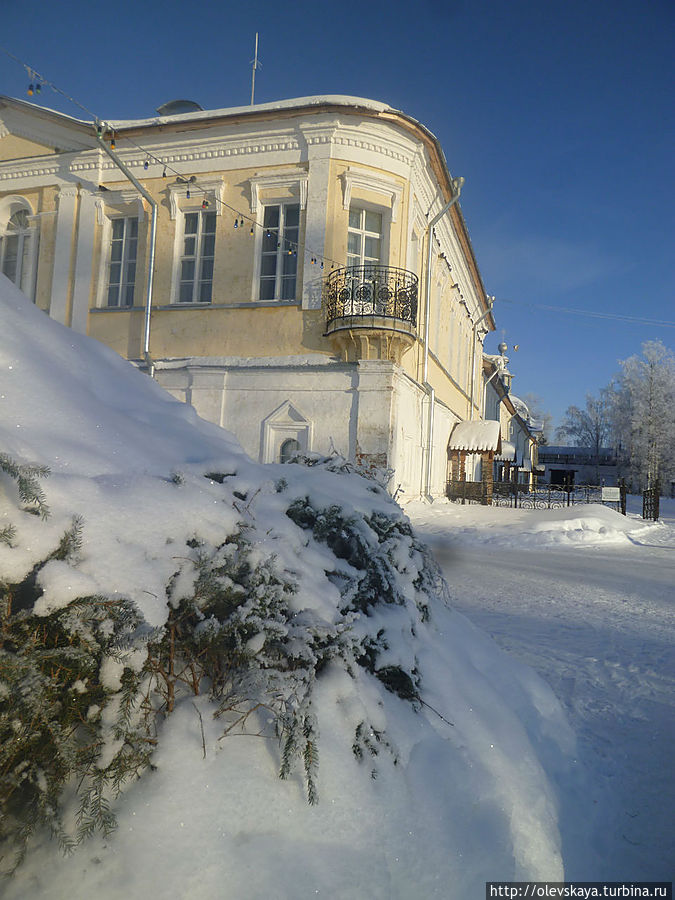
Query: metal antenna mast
[[256, 65]]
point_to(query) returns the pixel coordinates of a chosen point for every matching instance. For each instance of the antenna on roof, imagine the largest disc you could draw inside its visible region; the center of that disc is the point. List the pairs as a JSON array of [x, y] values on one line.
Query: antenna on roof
[[256, 65]]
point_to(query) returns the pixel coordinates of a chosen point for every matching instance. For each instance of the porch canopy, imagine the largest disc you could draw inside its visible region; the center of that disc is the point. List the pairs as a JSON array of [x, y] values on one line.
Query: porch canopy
[[467, 438], [476, 437], [508, 452]]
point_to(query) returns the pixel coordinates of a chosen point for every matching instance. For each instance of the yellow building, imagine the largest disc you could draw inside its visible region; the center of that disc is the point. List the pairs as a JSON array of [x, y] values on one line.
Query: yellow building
[[267, 264]]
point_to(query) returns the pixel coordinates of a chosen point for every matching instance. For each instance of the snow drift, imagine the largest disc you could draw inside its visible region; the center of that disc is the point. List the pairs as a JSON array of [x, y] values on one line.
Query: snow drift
[[439, 759]]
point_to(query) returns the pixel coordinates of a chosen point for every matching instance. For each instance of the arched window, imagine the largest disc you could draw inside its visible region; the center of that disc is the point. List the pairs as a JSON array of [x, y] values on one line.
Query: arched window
[[17, 244], [288, 450]]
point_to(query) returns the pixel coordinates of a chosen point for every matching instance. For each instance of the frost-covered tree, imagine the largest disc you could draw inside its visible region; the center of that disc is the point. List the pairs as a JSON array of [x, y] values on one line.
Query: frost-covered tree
[[643, 415], [539, 414], [589, 427]]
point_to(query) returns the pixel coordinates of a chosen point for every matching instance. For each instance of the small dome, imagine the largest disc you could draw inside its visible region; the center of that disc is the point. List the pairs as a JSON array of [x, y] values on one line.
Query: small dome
[[176, 107]]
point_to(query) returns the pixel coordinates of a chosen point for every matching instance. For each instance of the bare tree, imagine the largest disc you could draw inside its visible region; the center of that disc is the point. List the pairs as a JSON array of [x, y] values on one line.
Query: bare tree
[[539, 415], [589, 427]]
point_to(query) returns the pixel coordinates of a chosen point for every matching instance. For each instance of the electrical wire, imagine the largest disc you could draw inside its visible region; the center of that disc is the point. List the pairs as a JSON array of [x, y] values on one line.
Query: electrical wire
[[661, 323], [291, 246]]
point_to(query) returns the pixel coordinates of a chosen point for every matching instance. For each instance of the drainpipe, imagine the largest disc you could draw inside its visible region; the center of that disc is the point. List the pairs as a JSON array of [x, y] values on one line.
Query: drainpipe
[[428, 450], [153, 240], [491, 303]]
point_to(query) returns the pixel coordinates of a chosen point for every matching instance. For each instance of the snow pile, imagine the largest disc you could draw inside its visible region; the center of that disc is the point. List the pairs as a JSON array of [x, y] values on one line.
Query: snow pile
[[587, 524], [429, 782]]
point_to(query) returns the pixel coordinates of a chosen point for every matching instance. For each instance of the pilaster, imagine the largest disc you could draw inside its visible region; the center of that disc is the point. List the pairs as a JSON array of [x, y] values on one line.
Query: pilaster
[[63, 248], [84, 259]]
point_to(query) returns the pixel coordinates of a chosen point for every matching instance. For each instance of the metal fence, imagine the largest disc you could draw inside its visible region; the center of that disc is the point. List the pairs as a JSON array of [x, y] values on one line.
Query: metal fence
[[545, 496]]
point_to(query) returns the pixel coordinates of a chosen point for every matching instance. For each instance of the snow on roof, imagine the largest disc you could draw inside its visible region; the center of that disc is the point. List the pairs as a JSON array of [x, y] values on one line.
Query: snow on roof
[[199, 115], [508, 453], [521, 407], [294, 103], [475, 436]]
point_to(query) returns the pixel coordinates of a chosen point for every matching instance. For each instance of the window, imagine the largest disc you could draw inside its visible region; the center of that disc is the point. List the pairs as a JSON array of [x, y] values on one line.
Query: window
[[279, 255], [364, 237], [196, 262], [122, 270], [15, 249], [288, 450]]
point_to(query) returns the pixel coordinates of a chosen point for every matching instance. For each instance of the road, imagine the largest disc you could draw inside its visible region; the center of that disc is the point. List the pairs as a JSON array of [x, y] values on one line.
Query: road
[[598, 623]]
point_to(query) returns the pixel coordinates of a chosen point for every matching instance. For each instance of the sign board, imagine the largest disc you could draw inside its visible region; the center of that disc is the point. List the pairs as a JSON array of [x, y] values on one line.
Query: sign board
[[612, 494]]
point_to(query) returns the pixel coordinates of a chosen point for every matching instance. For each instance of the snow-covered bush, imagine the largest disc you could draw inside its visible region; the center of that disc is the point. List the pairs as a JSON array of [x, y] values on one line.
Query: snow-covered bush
[[62, 723], [85, 685]]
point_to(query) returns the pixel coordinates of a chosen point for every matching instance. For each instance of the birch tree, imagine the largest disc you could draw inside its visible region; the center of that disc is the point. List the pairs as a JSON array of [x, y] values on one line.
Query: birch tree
[[643, 416]]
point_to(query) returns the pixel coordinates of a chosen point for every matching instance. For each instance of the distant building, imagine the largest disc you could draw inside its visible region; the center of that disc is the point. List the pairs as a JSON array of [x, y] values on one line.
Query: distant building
[[577, 465]]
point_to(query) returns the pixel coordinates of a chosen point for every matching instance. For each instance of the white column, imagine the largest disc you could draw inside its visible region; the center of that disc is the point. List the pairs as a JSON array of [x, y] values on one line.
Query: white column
[[84, 263], [63, 246]]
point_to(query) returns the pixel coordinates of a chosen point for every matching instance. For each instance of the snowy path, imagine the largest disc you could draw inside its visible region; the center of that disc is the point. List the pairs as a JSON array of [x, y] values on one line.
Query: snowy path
[[597, 622]]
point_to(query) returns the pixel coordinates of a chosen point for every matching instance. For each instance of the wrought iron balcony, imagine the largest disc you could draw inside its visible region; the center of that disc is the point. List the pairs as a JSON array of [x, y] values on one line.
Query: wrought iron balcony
[[371, 297]]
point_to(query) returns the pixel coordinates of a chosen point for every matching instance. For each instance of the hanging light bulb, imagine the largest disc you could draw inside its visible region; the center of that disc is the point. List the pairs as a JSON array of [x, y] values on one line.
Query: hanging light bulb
[[112, 141], [38, 87], [241, 223], [236, 223], [205, 203], [146, 164], [187, 193], [164, 172], [30, 90], [251, 231], [99, 129]]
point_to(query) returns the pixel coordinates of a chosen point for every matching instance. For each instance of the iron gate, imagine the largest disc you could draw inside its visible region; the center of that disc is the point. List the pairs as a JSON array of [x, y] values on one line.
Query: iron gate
[[650, 503]]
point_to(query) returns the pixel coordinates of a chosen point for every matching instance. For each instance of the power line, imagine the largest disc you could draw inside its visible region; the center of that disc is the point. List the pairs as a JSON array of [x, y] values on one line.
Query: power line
[[662, 323]]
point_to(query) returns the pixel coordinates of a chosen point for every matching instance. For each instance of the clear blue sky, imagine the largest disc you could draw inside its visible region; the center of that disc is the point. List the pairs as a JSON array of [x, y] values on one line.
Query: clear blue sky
[[559, 114]]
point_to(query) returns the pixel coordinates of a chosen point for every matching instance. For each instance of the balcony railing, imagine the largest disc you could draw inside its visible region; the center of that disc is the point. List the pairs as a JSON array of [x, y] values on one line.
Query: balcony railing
[[371, 291]]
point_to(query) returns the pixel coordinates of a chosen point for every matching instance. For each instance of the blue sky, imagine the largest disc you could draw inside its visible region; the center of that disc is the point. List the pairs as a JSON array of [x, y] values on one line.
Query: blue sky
[[558, 113]]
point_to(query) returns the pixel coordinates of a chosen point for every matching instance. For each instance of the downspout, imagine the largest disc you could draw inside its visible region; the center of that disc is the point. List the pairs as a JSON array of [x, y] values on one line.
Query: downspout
[[491, 303], [151, 259], [428, 449]]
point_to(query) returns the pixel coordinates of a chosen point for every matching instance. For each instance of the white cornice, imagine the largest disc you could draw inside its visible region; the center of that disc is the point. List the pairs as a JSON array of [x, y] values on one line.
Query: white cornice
[[116, 201], [4, 130], [370, 181], [287, 180], [205, 190]]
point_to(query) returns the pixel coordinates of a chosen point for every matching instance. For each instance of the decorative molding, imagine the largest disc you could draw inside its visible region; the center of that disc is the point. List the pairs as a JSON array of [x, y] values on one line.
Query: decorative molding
[[4, 130], [116, 201], [286, 421], [204, 190], [67, 191], [288, 180], [371, 182]]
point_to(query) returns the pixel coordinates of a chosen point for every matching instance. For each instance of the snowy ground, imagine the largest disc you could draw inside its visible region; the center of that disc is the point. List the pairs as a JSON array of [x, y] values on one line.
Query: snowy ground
[[483, 780], [587, 598]]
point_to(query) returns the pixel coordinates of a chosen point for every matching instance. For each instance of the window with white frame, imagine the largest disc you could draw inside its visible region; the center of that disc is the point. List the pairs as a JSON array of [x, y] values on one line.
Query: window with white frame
[[16, 246], [122, 264], [197, 257], [364, 237], [279, 251]]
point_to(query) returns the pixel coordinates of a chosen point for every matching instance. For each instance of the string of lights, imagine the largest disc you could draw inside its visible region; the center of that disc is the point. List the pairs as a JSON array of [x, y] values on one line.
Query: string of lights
[[106, 131]]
